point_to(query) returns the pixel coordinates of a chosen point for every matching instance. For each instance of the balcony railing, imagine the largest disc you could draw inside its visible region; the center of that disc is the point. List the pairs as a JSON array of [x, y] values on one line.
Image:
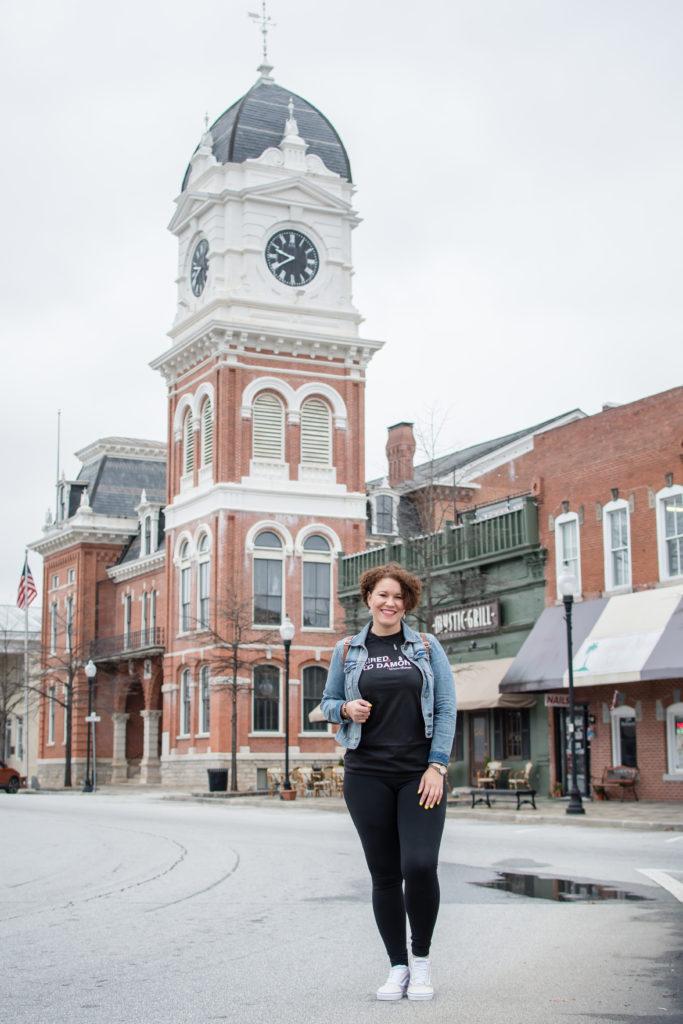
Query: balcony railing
[[478, 540], [136, 642]]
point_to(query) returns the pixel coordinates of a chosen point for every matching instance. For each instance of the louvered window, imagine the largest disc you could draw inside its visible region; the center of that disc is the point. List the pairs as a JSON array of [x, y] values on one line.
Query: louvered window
[[269, 428], [188, 443], [207, 433], [316, 433]]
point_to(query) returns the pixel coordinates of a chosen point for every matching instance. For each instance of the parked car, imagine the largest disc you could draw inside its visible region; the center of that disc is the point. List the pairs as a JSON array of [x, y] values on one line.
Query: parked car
[[10, 779]]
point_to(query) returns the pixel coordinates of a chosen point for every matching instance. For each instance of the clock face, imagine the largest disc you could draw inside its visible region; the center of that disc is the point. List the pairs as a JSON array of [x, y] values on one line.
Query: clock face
[[200, 267], [292, 258]]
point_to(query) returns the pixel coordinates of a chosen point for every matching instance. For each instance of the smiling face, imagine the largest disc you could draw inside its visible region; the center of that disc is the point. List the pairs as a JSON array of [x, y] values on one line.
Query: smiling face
[[387, 606]]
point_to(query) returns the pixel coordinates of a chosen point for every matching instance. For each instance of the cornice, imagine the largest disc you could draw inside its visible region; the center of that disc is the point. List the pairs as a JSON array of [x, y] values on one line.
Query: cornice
[[122, 447], [85, 528], [231, 340], [129, 570]]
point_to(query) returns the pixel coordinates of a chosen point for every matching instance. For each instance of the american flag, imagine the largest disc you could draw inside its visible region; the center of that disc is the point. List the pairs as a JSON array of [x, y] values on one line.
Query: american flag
[[27, 589]]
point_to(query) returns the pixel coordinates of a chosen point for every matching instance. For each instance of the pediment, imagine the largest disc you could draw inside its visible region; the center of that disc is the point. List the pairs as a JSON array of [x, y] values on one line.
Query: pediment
[[298, 191], [188, 206]]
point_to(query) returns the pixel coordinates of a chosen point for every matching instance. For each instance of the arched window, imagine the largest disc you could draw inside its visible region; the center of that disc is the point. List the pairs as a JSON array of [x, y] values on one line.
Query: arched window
[[204, 582], [268, 558], [313, 684], [624, 736], [317, 582], [207, 432], [568, 549], [188, 443], [185, 586], [147, 536], [185, 702], [316, 433], [266, 703], [204, 699], [268, 424]]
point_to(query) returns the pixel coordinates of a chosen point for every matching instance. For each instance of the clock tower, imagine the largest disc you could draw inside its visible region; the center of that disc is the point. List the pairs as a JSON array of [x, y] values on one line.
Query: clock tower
[[265, 375]]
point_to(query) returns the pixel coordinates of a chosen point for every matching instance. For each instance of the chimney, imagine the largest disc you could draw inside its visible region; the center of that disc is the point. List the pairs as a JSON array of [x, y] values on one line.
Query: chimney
[[400, 453]]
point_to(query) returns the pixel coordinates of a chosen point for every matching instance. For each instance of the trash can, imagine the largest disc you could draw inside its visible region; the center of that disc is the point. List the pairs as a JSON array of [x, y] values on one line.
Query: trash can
[[218, 780]]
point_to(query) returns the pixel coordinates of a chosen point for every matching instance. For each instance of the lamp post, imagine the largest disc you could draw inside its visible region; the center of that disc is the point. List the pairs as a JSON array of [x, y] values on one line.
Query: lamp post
[[91, 672], [567, 585], [287, 635]]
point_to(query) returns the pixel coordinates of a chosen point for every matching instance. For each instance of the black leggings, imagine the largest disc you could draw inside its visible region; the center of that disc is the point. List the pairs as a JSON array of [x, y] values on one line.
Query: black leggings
[[401, 843]]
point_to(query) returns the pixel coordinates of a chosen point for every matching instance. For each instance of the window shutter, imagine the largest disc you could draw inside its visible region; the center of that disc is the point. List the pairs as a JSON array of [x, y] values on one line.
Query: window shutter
[[316, 433], [188, 440], [207, 433], [269, 428]]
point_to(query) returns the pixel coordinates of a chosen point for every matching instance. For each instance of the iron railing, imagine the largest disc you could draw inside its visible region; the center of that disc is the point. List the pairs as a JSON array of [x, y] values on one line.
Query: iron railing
[[135, 642], [476, 540]]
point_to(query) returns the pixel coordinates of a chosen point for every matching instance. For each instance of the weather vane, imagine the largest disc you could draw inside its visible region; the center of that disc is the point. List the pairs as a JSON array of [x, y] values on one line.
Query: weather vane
[[265, 22]]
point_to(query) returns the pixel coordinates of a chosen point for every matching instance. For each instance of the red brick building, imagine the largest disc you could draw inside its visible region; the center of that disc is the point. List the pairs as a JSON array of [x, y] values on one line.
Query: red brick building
[[162, 555]]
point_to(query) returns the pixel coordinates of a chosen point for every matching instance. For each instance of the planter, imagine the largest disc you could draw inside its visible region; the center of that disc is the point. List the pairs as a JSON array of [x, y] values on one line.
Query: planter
[[288, 794]]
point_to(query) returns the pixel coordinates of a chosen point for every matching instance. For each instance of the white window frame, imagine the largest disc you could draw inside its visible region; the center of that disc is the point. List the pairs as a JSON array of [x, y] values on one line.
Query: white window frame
[[184, 577], [144, 616], [204, 679], [189, 454], [51, 716], [54, 627], [273, 555], [672, 712], [203, 559], [185, 694], [620, 505], [660, 499], [280, 673], [69, 623], [305, 724], [151, 632], [375, 513], [71, 576], [327, 559], [206, 420], [560, 560], [616, 714], [127, 619], [55, 582]]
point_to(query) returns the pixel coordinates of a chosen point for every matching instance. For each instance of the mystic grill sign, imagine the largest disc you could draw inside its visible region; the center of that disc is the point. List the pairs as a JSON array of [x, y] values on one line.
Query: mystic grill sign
[[469, 620]]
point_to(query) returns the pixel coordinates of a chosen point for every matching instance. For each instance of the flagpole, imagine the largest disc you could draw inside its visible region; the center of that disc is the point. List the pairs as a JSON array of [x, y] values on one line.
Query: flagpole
[[59, 423], [26, 701]]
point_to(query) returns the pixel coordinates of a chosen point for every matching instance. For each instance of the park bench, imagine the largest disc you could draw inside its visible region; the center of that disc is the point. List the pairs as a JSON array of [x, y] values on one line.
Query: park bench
[[619, 776], [523, 795]]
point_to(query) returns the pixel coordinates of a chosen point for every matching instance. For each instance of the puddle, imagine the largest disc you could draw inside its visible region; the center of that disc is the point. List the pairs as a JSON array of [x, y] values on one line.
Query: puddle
[[563, 890]]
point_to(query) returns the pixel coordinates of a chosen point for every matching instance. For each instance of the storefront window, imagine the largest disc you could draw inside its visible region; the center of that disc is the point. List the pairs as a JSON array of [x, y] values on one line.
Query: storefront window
[[624, 750], [674, 738]]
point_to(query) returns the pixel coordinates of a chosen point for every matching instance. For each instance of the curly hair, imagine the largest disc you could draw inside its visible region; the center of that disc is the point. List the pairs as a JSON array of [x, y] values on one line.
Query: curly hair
[[410, 585]]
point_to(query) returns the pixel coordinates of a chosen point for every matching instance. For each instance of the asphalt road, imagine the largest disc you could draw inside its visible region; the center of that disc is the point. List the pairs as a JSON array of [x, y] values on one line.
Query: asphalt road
[[125, 909]]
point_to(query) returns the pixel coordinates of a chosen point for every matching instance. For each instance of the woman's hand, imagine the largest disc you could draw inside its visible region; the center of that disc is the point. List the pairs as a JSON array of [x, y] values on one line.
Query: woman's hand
[[358, 710], [430, 789]]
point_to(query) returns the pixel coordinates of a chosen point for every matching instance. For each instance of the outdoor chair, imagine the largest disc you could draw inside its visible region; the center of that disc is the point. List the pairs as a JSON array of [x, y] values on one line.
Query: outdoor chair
[[521, 779], [490, 776]]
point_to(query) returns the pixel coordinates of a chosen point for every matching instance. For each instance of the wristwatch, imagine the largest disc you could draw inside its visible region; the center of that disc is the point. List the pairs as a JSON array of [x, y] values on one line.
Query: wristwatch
[[441, 768]]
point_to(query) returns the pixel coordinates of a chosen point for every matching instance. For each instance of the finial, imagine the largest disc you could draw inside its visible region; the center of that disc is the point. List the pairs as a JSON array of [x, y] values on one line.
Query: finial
[[206, 120], [264, 20], [290, 108]]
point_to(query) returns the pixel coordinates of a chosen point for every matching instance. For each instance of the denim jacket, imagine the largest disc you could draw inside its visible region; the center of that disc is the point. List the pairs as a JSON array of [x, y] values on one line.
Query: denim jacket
[[438, 690]]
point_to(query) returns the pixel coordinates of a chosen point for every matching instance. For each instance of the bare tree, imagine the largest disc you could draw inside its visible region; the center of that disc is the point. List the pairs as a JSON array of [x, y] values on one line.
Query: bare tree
[[11, 682], [235, 642]]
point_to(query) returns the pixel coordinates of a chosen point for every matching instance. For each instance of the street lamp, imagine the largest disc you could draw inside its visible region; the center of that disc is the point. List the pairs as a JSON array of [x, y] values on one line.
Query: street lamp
[[287, 635], [91, 672], [567, 585]]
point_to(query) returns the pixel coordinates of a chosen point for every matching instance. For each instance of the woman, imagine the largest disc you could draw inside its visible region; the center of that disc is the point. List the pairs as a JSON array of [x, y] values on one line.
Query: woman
[[395, 700]]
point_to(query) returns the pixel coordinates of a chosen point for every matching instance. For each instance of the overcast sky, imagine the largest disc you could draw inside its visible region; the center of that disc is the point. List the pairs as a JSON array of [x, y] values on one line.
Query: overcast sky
[[518, 164]]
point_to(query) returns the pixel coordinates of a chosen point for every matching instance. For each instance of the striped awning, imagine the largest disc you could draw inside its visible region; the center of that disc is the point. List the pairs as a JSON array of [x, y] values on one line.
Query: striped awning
[[621, 639]]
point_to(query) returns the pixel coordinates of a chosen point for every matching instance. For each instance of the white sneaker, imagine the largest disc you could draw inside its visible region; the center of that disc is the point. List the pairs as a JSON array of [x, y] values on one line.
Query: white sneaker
[[396, 984], [420, 986]]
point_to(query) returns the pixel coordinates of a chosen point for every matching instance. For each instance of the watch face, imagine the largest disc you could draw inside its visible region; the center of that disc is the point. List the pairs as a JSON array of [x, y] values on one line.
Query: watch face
[[292, 258], [200, 267]]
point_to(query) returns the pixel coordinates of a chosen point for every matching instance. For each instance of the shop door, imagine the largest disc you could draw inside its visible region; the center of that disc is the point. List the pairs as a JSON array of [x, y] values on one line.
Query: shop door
[[480, 742], [563, 767]]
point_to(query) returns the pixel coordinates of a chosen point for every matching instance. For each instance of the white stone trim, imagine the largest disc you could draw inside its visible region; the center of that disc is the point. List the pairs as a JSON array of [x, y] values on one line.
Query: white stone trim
[[129, 570], [123, 447], [269, 524], [185, 403], [259, 384], [567, 517], [184, 535], [312, 528], [86, 527], [287, 498]]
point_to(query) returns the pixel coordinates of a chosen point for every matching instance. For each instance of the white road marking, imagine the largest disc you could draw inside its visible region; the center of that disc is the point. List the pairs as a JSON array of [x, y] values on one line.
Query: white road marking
[[666, 881], [676, 839], [529, 828]]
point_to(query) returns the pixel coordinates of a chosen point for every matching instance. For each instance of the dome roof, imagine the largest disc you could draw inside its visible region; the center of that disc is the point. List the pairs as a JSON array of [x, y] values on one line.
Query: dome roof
[[257, 121]]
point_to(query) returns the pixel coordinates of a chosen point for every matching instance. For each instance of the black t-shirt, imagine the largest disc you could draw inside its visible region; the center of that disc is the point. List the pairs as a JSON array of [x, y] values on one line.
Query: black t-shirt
[[393, 739]]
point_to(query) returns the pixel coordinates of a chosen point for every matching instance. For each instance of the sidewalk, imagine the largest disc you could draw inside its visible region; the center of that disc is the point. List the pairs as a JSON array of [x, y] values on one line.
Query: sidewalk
[[646, 815]]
